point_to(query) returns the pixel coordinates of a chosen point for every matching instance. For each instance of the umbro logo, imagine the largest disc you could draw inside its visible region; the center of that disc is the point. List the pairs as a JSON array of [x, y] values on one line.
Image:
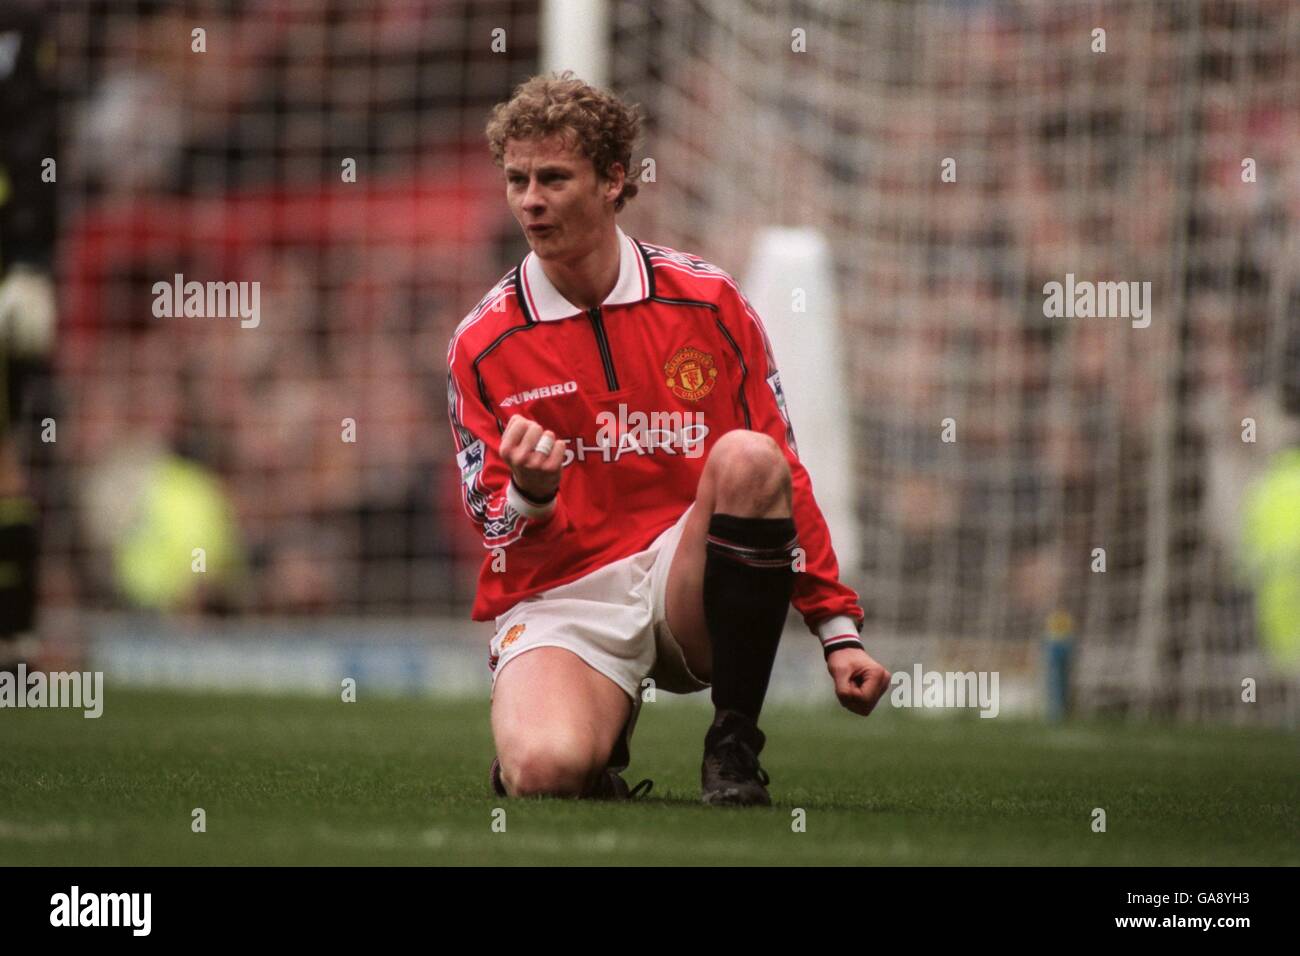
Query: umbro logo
[[544, 391]]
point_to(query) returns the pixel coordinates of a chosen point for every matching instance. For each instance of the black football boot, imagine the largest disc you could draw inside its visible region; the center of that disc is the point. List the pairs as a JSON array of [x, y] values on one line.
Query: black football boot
[[730, 775]]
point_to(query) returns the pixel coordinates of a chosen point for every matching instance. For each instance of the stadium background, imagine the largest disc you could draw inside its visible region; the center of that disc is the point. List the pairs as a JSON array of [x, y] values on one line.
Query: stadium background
[[1073, 434]]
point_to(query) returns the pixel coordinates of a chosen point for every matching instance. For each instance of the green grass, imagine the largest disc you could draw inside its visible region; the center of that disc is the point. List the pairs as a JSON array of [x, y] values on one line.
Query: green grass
[[311, 781]]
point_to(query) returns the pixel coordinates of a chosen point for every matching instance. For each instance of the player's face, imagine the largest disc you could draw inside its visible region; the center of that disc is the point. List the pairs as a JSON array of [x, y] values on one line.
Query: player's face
[[557, 198]]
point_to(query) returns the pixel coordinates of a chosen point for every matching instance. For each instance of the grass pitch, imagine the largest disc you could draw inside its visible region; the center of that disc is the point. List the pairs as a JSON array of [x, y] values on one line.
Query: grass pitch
[[312, 781]]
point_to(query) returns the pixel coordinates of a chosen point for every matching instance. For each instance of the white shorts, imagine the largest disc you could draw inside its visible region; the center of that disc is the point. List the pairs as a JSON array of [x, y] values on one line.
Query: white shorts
[[612, 618]]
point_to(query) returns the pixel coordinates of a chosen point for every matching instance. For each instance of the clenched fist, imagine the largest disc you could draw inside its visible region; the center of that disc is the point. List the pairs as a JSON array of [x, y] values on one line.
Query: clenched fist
[[537, 475], [859, 680]]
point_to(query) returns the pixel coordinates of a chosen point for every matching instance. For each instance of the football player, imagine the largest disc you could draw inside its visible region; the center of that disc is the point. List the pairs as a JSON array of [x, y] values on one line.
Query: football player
[[626, 454]]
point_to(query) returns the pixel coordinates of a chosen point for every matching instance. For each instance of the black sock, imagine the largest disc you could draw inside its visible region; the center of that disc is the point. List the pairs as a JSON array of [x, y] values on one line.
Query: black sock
[[748, 580]]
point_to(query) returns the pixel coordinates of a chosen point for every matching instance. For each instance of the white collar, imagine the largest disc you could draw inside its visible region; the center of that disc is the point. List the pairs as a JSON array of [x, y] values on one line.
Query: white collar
[[546, 303]]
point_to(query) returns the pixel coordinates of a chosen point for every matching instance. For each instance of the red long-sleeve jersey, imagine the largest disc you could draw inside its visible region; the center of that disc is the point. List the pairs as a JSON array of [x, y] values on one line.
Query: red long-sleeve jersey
[[640, 388]]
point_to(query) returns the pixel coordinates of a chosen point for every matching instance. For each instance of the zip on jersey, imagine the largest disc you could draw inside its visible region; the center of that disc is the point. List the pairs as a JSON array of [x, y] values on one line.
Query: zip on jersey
[[602, 343]]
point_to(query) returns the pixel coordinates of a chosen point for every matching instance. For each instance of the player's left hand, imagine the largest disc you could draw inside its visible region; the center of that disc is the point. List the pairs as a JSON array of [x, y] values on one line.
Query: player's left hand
[[859, 680]]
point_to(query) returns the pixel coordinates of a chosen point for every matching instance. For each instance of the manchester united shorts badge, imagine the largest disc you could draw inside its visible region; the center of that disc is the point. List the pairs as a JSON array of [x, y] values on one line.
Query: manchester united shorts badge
[[512, 635], [691, 373]]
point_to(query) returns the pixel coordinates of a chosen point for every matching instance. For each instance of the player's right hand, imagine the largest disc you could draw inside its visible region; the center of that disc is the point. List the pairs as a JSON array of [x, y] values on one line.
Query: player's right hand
[[535, 474]]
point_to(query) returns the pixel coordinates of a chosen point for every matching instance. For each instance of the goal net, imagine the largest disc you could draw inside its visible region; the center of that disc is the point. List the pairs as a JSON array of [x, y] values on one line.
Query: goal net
[[1021, 472]]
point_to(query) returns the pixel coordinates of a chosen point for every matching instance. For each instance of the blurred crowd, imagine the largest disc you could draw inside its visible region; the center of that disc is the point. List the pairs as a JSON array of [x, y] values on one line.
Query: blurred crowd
[[1080, 434], [329, 152], [1117, 165]]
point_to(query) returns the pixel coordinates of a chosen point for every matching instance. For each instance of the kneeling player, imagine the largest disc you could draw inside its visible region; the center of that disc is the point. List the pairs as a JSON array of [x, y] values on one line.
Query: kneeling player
[[625, 450]]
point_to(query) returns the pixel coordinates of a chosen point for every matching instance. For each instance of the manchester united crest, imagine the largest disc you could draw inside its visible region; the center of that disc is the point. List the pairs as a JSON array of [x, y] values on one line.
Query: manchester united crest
[[691, 373]]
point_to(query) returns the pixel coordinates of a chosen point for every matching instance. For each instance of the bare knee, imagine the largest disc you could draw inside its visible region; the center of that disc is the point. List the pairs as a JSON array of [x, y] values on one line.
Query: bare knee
[[751, 475], [549, 769]]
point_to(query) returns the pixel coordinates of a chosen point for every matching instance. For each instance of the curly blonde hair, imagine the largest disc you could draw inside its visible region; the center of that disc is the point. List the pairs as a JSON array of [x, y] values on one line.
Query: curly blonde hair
[[598, 124]]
